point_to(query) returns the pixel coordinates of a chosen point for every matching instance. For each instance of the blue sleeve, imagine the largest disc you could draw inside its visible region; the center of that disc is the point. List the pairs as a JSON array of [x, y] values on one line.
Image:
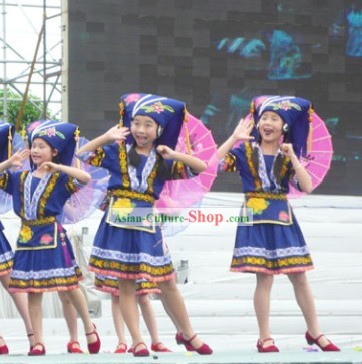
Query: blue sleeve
[[106, 157], [8, 181]]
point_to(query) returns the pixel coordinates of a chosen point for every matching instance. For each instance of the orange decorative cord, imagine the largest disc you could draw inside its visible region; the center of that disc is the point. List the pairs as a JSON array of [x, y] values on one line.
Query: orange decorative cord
[[10, 139], [76, 137], [252, 107], [252, 111], [23, 135], [187, 136], [121, 113], [310, 134]]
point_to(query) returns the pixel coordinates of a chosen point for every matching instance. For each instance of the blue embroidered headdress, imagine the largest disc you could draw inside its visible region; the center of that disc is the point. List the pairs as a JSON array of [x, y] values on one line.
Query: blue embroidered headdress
[[296, 114], [168, 113], [6, 136], [59, 135]]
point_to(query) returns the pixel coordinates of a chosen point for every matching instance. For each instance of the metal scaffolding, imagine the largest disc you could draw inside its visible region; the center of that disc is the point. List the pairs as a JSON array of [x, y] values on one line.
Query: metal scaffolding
[[31, 56]]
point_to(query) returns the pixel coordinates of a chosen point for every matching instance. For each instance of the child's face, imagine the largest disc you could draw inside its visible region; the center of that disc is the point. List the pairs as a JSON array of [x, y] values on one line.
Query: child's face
[[270, 126], [144, 130], [41, 151]]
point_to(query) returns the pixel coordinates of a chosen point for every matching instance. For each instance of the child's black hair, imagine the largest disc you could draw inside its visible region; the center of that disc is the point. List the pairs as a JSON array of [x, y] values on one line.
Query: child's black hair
[[56, 159], [134, 160]]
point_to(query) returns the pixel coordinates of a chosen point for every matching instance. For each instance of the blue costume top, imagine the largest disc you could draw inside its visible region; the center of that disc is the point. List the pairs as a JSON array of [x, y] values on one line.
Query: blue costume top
[[44, 258], [274, 243], [124, 251]]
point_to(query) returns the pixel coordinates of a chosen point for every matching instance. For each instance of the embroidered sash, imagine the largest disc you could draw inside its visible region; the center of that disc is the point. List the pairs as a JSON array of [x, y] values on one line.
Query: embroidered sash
[[269, 208], [38, 234]]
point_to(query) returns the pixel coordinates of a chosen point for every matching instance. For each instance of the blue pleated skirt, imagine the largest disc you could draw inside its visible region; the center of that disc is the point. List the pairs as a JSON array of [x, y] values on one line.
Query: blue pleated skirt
[[271, 249], [130, 254]]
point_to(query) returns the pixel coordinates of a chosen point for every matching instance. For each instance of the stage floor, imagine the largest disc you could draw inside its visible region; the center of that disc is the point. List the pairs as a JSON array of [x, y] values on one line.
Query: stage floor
[[236, 357]]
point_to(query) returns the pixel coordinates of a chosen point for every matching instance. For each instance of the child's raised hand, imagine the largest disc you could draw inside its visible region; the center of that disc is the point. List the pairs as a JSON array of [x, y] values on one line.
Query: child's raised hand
[[48, 167], [243, 130], [117, 133], [165, 151], [287, 149], [17, 159]]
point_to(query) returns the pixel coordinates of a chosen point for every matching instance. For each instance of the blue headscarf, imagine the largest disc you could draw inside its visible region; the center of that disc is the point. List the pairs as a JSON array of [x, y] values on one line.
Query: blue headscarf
[[294, 111], [59, 135], [168, 113]]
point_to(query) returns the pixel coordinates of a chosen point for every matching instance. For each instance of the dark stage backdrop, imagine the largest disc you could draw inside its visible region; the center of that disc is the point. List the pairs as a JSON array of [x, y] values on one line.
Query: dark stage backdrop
[[216, 55]]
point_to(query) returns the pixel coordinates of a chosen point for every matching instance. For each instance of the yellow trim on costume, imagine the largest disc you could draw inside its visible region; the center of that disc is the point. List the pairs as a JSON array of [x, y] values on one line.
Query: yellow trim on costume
[[4, 180], [102, 266], [267, 195], [253, 171], [47, 192], [43, 221], [131, 194], [97, 157], [230, 162], [152, 176], [6, 267], [122, 152], [71, 186], [51, 284], [21, 192], [280, 263], [121, 113]]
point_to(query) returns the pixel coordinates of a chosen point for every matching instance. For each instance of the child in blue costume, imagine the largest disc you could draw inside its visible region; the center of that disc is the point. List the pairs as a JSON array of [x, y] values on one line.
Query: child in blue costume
[[274, 243], [6, 253], [44, 259], [139, 167]]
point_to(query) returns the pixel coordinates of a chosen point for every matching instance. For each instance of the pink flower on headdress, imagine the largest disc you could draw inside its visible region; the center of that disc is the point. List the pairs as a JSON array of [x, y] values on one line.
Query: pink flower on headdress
[[132, 98], [285, 105], [158, 107], [50, 132]]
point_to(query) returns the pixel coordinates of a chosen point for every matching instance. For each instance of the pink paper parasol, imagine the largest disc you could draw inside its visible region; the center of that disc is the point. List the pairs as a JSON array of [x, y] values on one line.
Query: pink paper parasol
[[180, 195], [184, 193], [88, 199], [319, 155]]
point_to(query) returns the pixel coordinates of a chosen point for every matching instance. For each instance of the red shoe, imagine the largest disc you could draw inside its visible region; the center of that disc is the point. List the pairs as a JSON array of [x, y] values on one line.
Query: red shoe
[[3, 349], [159, 348], [121, 348], [268, 349], [141, 352], [328, 347], [204, 349], [181, 341], [73, 347], [35, 351], [94, 347]]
